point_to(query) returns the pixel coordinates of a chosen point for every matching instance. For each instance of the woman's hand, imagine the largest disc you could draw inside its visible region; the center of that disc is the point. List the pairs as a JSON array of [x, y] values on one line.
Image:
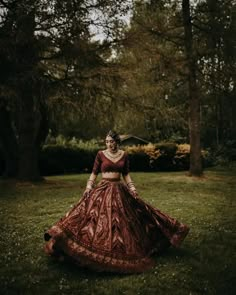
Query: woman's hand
[[130, 185], [87, 192], [90, 184], [134, 193]]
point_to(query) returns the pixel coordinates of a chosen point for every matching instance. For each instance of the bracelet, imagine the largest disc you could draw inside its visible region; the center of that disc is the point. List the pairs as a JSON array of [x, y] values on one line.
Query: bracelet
[[131, 185], [90, 186], [90, 180]]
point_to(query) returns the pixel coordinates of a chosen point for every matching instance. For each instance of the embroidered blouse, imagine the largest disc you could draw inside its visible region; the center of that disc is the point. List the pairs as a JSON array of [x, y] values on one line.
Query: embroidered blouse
[[103, 164]]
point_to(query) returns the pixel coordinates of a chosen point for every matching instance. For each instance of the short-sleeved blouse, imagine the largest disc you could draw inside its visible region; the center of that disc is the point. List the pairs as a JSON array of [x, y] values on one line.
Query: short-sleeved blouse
[[103, 164]]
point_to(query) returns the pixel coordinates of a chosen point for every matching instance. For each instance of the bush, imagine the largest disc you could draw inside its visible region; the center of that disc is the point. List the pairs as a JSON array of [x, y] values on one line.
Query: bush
[[75, 156], [166, 156], [139, 162], [181, 160], [60, 140], [165, 159], [224, 154], [55, 159], [61, 155], [158, 156]]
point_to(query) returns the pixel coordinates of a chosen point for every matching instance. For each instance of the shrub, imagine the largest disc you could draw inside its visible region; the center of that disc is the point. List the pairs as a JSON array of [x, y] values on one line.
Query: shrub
[[55, 159], [139, 162], [224, 154], [181, 160], [73, 156], [167, 156], [60, 155], [164, 161]]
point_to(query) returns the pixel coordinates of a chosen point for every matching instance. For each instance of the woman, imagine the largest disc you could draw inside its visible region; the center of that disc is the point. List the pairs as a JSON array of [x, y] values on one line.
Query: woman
[[111, 228]]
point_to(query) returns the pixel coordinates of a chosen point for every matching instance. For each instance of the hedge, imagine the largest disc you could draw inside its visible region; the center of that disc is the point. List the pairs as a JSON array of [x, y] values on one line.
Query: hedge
[[66, 158], [55, 159]]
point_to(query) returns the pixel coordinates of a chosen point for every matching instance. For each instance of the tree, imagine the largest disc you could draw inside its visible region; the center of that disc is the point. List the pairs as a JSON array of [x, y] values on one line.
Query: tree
[[194, 100], [214, 26], [8, 144], [152, 65], [173, 52], [47, 55]]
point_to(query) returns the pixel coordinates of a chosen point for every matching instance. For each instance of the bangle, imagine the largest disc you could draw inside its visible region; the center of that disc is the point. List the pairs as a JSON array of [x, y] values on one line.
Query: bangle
[[90, 180], [90, 184], [131, 186]]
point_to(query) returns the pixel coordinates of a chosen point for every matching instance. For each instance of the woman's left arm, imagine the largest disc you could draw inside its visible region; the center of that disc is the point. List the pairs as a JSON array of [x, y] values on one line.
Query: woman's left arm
[[129, 183], [127, 178]]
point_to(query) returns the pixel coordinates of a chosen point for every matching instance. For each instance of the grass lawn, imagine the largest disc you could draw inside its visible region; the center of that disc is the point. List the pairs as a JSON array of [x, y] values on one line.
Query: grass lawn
[[205, 263]]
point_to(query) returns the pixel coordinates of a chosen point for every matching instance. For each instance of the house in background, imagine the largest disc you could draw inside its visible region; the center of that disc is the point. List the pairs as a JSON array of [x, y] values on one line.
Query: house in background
[[129, 140]]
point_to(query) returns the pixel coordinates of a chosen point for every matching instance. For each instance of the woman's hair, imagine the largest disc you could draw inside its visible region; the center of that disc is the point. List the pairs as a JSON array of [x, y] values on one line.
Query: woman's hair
[[114, 135]]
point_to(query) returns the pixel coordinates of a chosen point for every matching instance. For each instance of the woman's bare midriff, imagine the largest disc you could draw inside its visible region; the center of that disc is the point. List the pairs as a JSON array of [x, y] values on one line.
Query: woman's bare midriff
[[111, 175]]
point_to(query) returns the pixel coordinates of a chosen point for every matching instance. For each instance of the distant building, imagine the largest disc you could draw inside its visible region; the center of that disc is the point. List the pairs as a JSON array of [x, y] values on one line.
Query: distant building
[[129, 140]]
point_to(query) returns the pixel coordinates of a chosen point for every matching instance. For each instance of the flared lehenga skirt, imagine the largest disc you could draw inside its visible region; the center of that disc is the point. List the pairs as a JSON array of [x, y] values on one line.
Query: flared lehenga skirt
[[112, 230]]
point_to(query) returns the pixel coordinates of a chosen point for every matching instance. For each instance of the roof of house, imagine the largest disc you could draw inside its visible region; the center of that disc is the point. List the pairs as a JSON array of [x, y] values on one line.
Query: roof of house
[[124, 137]]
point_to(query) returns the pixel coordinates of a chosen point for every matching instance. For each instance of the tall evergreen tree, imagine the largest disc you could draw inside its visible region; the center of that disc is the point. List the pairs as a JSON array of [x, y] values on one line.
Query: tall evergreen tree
[[194, 98], [47, 55], [178, 50]]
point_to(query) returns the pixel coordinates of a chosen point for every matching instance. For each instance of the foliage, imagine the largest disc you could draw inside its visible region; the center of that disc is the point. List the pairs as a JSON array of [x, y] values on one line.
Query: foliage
[[153, 69], [153, 62], [214, 30], [204, 264], [168, 155], [73, 142], [224, 154], [61, 155], [52, 70], [56, 74]]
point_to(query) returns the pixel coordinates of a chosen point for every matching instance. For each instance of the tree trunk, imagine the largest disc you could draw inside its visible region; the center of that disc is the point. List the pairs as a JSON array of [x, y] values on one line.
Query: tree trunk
[[28, 129], [8, 143], [194, 101], [30, 89]]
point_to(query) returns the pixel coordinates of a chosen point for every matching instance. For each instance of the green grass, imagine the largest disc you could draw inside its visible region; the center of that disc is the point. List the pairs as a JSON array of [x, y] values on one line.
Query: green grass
[[205, 263]]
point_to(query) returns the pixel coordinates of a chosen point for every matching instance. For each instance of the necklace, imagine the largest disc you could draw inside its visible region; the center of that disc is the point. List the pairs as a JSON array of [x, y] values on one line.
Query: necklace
[[115, 155]]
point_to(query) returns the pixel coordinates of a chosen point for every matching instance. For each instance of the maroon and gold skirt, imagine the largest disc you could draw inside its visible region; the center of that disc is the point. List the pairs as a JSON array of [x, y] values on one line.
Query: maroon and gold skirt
[[113, 230]]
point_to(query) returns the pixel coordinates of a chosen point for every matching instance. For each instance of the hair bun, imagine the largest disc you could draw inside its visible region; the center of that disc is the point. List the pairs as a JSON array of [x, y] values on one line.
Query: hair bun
[[114, 135]]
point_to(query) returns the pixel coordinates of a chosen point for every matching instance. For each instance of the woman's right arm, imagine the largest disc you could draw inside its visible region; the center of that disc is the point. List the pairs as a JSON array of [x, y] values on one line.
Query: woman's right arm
[[90, 182], [93, 175]]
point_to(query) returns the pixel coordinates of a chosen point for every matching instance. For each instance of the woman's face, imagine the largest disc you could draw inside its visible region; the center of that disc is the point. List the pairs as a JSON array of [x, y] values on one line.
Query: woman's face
[[111, 144]]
